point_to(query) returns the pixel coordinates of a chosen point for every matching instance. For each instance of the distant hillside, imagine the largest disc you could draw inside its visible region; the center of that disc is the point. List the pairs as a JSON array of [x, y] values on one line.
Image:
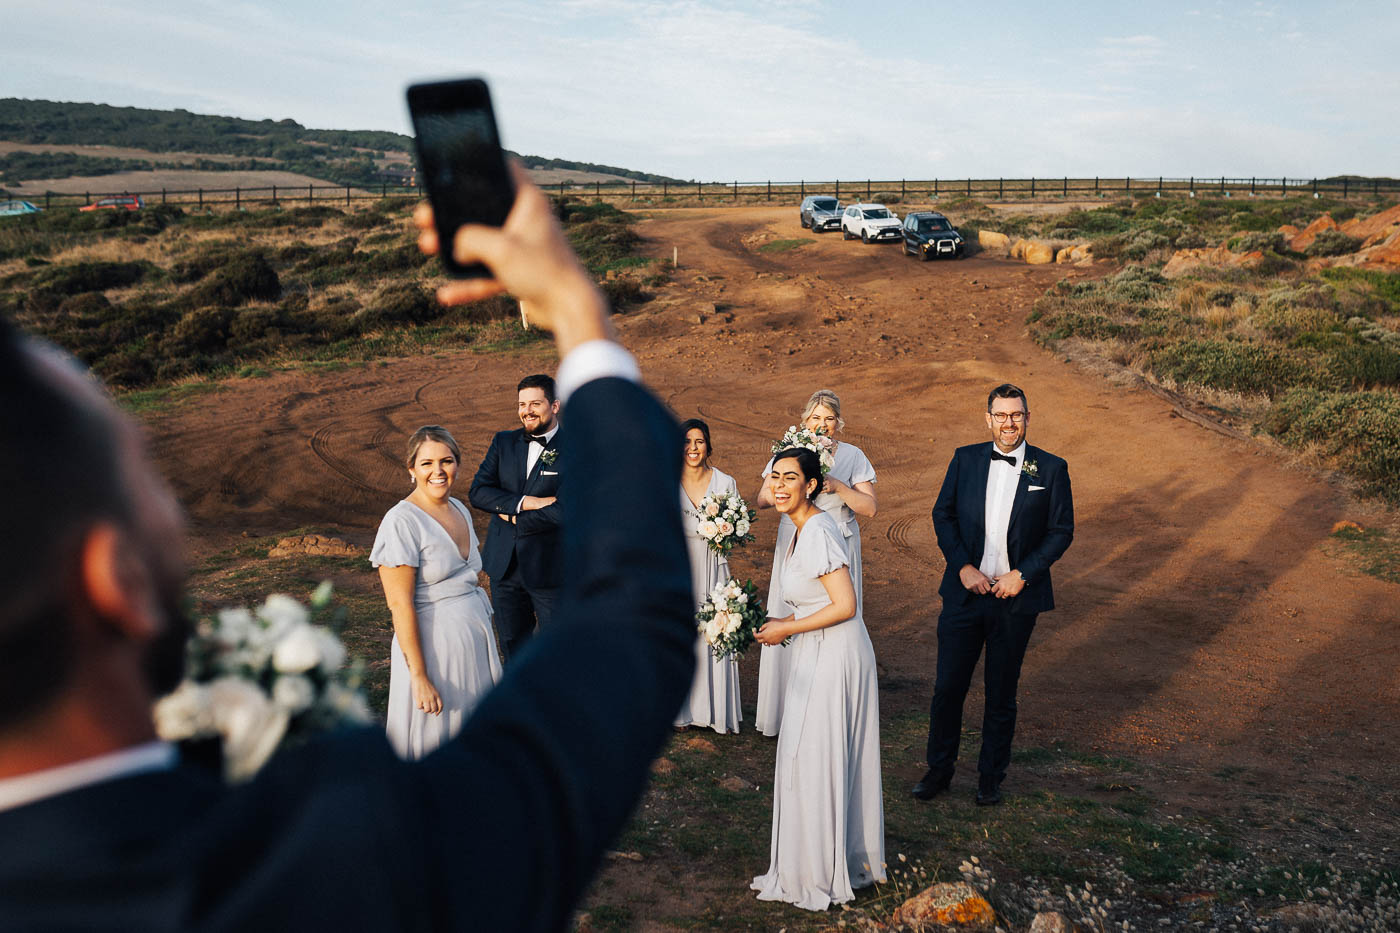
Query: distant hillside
[[345, 157]]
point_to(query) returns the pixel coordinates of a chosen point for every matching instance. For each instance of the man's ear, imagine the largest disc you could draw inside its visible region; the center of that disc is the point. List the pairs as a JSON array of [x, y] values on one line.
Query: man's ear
[[117, 585]]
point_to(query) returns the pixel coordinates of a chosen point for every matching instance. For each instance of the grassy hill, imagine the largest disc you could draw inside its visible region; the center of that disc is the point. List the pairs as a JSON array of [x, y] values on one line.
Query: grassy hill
[[164, 139]]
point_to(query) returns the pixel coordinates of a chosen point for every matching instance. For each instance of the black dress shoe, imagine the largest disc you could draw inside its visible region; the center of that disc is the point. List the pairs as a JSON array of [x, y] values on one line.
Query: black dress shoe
[[931, 785], [988, 794]]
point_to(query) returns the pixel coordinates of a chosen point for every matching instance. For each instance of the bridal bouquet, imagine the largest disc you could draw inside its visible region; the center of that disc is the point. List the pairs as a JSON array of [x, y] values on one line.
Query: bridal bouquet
[[819, 444], [259, 679], [729, 617], [724, 521]]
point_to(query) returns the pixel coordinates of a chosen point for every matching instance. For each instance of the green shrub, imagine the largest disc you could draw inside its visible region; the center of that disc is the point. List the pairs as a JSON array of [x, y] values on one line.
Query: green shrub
[[245, 277], [1142, 243], [1364, 365], [127, 368], [1356, 430], [1191, 239], [1287, 312], [622, 290], [206, 258], [1263, 242], [1332, 243], [1384, 285], [1135, 284], [601, 242], [398, 303], [203, 330], [72, 278], [1233, 366]]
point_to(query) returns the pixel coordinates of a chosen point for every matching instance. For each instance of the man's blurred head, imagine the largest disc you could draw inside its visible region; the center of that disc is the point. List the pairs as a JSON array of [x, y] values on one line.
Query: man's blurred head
[[70, 465]]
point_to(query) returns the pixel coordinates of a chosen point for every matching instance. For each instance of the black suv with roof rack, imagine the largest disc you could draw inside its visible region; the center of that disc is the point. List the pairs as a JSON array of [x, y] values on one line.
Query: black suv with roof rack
[[929, 235]]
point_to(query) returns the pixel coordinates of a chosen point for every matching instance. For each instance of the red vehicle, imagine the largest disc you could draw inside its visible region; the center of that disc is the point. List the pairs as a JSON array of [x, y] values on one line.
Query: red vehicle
[[125, 202]]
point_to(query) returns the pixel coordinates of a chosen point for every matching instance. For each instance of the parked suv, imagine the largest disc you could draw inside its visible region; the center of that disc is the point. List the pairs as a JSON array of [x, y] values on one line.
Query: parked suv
[[125, 202], [870, 222], [820, 212], [929, 235]]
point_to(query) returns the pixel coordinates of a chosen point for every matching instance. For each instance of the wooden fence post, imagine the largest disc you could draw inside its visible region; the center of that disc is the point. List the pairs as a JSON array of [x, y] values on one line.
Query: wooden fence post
[[1032, 186], [901, 189], [838, 189], [736, 191], [663, 189], [1001, 188], [237, 199], [867, 189], [201, 198], [274, 194], [770, 189], [1345, 180], [969, 187], [802, 187], [634, 189], [1064, 193], [310, 194], [1096, 184], [935, 187]]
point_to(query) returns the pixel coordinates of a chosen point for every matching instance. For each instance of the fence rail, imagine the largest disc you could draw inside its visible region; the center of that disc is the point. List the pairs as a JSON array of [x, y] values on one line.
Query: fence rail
[[770, 191]]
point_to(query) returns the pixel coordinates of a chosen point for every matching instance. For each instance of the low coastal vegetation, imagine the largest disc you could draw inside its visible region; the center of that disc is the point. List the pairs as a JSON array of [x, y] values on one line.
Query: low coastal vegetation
[[151, 297], [1262, 334]]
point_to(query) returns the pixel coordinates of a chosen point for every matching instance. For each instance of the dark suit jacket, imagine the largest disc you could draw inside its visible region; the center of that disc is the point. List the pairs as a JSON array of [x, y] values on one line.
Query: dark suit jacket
[[533, 539], [500, 829], [1040, 530]]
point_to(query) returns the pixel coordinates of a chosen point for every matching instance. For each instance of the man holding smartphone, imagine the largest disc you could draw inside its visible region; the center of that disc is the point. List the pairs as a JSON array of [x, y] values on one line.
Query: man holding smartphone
[[502, 828]]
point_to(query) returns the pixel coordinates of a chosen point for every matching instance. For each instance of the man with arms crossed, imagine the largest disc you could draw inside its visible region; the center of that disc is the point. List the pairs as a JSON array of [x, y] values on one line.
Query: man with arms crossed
[[502, 828], [518, 483], [1003, 516]]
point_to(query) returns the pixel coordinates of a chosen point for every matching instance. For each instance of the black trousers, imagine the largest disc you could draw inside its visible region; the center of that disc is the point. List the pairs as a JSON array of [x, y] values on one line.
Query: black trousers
[[517, 609], [962, 635]]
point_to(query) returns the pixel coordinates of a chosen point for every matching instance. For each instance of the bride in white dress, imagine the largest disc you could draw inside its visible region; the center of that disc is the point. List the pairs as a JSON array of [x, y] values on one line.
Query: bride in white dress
[[443, 658], [828, 807], [848, 491], [714, 693]]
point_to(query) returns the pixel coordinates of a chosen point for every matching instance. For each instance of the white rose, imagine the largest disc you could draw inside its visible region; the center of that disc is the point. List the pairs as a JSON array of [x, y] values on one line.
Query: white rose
[[250, 724], [707, 529], [712, 631], [281, 613], [298, 651], [184, 714], [726, 528], [742, 598], [293, 693], [235, 626], [734, 622], [332, 651], [711, 508], [742, 528]]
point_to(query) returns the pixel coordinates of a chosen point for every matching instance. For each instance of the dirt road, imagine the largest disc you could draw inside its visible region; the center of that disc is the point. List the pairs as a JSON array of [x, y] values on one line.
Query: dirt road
[[1202, 623]]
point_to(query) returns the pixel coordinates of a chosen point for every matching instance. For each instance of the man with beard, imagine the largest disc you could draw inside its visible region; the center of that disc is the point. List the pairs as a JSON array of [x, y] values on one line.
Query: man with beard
[[1003, 516], [518, 483], [102, 828]]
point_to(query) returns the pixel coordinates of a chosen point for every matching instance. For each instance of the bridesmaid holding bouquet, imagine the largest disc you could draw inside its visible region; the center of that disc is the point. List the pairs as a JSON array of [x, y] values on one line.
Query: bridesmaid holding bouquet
[[714, 694], [848, 490]]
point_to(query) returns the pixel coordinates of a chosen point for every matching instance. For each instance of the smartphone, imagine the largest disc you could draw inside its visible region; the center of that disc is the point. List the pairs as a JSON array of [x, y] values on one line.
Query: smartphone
[[461, 162]]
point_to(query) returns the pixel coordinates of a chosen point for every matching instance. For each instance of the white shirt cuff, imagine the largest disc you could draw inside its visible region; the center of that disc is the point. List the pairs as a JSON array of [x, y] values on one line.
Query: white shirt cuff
[[596, 359]]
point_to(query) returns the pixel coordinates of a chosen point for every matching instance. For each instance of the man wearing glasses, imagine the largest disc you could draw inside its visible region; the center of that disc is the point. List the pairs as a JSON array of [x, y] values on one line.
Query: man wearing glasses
[[1003, 516]]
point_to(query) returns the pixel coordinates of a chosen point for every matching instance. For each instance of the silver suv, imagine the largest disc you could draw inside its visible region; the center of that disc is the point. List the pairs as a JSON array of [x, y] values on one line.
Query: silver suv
[[820, 212]]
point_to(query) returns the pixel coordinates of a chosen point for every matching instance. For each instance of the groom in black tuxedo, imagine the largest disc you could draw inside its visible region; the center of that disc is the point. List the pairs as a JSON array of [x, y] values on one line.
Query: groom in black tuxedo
[[518, 483], [1003, 516], [502, 828]]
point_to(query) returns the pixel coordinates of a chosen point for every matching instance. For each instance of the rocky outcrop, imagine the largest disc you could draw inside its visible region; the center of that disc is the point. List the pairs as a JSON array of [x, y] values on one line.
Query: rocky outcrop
[[1383, 255], [1038, 252], [1079, 252], [1303, 239], [990, 240], [1368, 228], [1186, 260], [947, 904], [317, 545], [1051, 922]]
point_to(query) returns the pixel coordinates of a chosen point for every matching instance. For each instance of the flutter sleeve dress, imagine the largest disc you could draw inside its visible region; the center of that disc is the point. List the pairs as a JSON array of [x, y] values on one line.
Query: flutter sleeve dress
[[850, 465], [454, 627], [828, 807], [714, 693]]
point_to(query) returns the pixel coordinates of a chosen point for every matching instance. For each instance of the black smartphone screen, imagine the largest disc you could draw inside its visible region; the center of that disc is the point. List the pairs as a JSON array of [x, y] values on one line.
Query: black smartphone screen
[[459, 155]]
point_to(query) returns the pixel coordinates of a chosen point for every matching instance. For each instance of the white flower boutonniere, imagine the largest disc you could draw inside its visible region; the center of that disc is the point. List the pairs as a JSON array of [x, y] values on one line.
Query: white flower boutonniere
[[1031, 469], [548, 456]]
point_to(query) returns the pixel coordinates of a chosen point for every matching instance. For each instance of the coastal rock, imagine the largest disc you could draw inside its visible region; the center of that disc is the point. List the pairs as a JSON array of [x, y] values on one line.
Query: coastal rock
[[1038, 253], [948, 904], [1367, 227], [1185, 260], [991, 240], [1309, 233], [1051, 922]]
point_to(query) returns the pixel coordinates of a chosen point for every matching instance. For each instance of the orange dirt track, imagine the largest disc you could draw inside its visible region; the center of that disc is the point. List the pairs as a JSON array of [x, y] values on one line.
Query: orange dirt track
[[1201, 627]]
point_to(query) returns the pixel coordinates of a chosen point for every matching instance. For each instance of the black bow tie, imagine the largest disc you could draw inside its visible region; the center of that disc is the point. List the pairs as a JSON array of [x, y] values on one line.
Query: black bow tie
[[539, 439], [1003, 458]]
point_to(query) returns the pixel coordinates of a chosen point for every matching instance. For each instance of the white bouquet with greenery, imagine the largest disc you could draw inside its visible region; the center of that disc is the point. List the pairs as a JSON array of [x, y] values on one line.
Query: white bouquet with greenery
[[257, 680], [729, 617], [724, 520], [818, 443]]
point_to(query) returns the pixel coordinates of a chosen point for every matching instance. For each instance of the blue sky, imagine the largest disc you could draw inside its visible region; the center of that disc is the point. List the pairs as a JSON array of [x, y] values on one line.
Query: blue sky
[[782, 90]]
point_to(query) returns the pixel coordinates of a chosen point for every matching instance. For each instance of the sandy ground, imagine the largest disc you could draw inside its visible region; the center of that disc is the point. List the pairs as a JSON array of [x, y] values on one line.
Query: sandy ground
[[1203, 624]]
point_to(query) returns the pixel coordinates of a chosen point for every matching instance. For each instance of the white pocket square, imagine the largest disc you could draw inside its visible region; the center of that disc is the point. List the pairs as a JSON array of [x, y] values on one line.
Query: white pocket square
[[549, 472], [1034, 488]]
